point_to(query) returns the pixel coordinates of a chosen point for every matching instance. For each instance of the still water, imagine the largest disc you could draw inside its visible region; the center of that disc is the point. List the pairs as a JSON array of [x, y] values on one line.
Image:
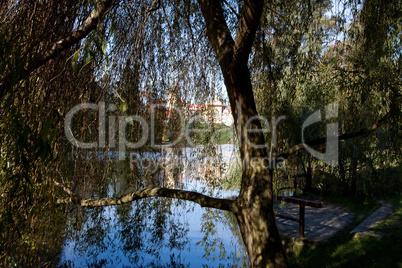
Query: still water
[[158, 232]]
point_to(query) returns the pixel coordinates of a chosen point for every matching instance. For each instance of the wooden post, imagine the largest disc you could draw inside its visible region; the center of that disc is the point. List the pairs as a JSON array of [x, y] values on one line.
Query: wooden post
[[302, 204], [301, 222]]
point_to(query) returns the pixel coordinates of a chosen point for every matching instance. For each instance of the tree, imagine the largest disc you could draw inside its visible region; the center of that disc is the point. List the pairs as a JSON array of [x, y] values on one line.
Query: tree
[[253, 207]]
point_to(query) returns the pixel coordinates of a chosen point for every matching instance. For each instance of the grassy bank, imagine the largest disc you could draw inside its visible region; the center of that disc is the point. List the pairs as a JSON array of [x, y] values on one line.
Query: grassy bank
[[203, 133]]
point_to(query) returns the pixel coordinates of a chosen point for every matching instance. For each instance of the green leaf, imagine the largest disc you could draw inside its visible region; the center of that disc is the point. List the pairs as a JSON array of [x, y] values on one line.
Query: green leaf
[[113, 29], [75, 59], [88, 61], [104, 46], [123, 107]]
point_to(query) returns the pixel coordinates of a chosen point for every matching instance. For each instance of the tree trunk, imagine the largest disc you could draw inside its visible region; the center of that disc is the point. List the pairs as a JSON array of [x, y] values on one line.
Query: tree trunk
[[256, 217], [255, 201], [257, 220], [260, 235]]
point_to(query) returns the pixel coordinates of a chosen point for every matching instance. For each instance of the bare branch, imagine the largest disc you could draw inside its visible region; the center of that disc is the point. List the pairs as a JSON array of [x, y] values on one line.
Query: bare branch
[[231, 9], [202, 200]]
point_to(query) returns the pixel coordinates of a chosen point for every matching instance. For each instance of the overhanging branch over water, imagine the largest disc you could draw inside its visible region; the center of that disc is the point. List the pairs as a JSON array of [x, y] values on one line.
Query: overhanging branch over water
[[201, 199]]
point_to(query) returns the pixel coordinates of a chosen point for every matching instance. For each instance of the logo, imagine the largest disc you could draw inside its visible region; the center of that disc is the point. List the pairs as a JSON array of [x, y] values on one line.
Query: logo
[[330, 156]]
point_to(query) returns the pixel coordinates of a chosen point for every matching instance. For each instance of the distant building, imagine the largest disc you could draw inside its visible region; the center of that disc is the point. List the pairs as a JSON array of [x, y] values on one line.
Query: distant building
[[215, 112]]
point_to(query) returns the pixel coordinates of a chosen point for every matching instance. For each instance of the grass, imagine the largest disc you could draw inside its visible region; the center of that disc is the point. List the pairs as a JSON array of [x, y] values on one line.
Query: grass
[[203, 133], [343, 251]]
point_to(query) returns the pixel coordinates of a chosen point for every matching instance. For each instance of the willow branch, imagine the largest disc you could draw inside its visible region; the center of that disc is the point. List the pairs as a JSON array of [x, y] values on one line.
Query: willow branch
[[231, 9], [62, 44], [202, 200], [73, 197], [90, 23]]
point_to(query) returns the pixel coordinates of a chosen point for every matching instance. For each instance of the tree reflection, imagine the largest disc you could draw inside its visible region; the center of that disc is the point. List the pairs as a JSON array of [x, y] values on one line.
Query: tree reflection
[[152, 232]]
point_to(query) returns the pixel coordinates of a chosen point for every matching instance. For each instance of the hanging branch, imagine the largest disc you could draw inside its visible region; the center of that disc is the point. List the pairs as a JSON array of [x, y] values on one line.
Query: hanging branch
[[57, 47]]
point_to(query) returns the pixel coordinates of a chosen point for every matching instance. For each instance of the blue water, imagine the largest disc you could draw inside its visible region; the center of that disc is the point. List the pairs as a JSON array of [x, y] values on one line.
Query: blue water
[[155, 232]]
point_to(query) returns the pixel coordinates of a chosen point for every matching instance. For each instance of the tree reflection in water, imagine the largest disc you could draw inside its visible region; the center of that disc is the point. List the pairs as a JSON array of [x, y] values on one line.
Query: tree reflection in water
[[152, 232]]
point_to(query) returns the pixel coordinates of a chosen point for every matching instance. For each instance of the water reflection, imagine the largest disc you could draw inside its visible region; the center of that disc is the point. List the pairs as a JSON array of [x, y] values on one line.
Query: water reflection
[[155, 232]]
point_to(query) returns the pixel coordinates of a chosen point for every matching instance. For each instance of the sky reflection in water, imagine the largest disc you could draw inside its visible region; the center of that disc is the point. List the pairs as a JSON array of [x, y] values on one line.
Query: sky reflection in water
[[154, 232]]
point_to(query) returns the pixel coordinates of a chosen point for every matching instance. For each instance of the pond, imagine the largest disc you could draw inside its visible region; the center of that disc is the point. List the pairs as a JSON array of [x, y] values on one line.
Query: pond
[[156, 232]]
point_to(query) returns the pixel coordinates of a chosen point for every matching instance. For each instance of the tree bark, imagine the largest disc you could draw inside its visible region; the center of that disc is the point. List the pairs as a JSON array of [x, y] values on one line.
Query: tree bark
[[255, 202], [256, 217]]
